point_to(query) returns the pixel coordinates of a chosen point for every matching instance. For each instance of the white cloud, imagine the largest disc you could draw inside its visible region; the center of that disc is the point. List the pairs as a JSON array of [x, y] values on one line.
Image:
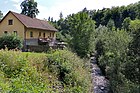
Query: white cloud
[[16, 1], [43, 11], [66, 8], [16, 4], [5, 2]]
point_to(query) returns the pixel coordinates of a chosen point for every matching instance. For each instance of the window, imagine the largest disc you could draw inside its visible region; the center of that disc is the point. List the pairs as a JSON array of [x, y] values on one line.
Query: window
[[15, 32], [44, 35], [31, 34], [5, 32], [53, 35], [39, 34], [50, 34], [10, 22]]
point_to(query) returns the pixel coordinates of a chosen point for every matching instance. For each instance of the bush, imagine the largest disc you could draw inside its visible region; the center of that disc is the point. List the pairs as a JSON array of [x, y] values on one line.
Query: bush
[[4, 85], [112, 47], [10, 41], [69, 69], [58, 71], [18, 75]]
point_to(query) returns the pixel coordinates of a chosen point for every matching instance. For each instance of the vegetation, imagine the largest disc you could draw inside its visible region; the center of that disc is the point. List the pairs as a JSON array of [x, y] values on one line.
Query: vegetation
[[115, 62], [58, 71], [81, 28], [1, 15], [29, 8], [71, 70], [10, 41], [115, 37], [113, 33], [117, 14]]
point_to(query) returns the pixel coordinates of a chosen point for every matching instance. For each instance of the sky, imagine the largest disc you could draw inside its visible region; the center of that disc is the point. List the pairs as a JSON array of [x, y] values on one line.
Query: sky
[[52, 8]]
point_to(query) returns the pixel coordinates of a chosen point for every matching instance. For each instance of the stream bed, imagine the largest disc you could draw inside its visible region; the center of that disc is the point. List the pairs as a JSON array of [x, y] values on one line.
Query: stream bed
[[99, 82]]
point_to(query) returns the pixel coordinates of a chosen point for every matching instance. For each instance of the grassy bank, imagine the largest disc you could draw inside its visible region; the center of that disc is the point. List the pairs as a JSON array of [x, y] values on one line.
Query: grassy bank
[[54, 72]]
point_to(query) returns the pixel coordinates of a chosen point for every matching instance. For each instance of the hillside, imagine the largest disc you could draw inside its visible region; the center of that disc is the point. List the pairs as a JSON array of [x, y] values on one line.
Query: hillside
[[57, 71]]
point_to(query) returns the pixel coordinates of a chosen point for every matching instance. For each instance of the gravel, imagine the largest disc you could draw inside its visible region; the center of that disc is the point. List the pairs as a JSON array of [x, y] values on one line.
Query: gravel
[[100, 83]]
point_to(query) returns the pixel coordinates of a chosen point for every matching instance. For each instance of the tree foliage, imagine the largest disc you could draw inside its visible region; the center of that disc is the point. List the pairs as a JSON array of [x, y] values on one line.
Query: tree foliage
[[10, 42], [80, 28], [116, 40], [117, 14], [78, 31], [134, 25], [118, 66], [29, 8], [126, 23], [132, 66], [1, 14]]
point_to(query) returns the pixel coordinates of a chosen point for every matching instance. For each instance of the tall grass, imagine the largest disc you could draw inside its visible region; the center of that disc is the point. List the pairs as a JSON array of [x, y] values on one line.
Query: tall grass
[[20, 74], [55, 72], [69, 69]]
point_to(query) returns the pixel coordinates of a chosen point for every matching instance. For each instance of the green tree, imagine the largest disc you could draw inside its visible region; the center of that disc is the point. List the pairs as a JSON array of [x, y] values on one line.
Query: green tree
[[81, 28], [132, 68], [49, 18], [112, 49], [110, 24], [131, 65], [78, 31], [138, 9], [117, 14], [29, 8], [126, 23], [61, 15], [134, 25], [134, 51], [1, 14], [10, 41], [99, 40]]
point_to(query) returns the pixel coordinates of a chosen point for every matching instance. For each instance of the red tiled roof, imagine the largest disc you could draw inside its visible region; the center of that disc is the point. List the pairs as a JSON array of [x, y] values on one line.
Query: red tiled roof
[[33, 22]]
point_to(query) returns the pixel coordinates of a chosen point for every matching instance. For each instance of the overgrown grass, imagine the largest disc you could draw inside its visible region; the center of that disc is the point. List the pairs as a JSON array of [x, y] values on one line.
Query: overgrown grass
[[55, 72], [69, 69]]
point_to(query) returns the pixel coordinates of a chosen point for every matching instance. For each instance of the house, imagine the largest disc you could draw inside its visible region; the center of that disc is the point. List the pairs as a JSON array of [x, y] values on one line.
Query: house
[[33, 31]]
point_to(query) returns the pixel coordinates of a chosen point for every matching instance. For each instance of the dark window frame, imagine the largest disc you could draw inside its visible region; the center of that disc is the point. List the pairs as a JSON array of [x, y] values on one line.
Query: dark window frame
[[50, 34], [31, 34], [44, 35], [39, 34], [10, 22], [53, 35]]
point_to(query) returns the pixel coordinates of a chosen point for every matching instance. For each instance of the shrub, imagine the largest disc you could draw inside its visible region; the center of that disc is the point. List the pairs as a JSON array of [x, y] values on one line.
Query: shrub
[[21, 76], [112, 47], [10, 41], [4, 85], [58, 71], [69, 69]]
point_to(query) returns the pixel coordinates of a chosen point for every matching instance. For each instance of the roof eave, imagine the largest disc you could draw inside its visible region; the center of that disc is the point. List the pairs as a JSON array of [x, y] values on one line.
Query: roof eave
[[55, 30]]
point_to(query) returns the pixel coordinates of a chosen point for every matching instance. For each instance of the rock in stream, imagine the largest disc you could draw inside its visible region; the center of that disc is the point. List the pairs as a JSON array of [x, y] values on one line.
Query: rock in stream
[[100, 83]]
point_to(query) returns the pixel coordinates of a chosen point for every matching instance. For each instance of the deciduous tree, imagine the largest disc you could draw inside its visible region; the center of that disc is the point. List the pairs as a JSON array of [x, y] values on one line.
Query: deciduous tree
[[1, 14], [29, 8], [81, 28]]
